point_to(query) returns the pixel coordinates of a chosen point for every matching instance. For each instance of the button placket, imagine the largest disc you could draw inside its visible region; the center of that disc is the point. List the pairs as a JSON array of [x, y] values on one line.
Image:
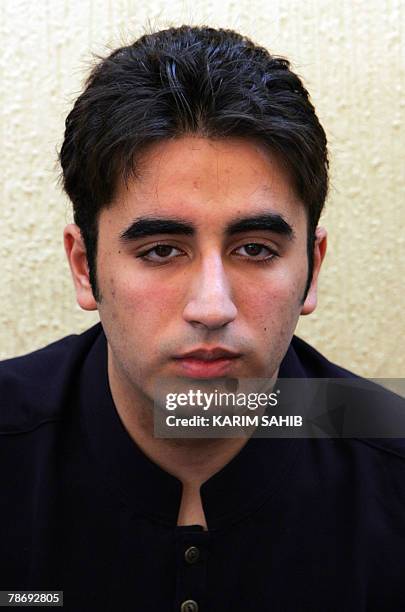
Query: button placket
[[191, 553]]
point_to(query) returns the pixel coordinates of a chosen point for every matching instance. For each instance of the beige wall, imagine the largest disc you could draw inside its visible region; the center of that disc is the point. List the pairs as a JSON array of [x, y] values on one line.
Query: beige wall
[[351, 55]]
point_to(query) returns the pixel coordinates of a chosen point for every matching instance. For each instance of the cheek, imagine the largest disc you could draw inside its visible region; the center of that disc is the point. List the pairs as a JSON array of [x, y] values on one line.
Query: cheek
[[277, 296], [146, 300]]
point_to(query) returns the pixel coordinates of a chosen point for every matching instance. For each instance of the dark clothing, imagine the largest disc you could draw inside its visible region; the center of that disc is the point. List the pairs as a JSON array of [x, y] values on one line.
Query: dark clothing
[[294, 525]]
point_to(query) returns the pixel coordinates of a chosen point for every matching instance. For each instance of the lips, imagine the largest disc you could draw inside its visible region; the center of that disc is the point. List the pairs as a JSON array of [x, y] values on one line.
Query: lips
[[206, 363], [209, 354]]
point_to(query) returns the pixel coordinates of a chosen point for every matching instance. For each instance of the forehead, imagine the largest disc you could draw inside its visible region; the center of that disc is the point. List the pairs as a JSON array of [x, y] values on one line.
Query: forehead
[[208, 182]]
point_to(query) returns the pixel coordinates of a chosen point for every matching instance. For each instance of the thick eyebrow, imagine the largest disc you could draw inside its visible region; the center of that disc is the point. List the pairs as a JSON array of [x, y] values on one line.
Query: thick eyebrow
[[148, 226], [270, 222]]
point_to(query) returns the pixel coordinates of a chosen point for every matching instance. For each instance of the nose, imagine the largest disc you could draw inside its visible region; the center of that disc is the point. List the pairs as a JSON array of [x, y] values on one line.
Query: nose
[[210, 301]]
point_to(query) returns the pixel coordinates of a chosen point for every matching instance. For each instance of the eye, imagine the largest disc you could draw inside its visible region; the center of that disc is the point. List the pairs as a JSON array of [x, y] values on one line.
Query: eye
[[257, 251], [160, 253]]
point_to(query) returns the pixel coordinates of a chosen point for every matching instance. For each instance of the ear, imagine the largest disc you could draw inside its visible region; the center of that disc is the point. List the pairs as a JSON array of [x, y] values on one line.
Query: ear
[[319, 254], [77, 258]]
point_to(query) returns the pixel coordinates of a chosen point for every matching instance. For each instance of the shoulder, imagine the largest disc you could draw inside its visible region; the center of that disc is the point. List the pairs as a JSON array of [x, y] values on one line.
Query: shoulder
[[35, 387], [317, 365], [357, 405]]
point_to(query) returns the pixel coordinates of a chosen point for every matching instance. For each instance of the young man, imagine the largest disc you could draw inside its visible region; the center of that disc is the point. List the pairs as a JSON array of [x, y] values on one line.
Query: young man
[[197, 170]]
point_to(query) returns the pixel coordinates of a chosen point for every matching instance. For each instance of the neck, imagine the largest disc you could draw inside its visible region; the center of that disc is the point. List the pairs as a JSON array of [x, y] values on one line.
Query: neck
[[192, 461]]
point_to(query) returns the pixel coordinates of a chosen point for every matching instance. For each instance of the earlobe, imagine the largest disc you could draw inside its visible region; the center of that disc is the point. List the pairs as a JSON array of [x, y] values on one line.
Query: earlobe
[[319, 255], [77, 258]]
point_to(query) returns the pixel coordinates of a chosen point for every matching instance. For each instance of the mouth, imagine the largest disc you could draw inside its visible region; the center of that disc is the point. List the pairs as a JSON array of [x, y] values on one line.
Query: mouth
[[206, 363]]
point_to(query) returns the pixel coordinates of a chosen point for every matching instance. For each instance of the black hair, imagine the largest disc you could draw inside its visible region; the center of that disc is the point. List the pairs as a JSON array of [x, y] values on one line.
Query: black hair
[[188, 80]]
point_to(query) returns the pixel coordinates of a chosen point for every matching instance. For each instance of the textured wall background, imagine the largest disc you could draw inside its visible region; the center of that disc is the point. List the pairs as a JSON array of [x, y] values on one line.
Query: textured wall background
[[351, 56]]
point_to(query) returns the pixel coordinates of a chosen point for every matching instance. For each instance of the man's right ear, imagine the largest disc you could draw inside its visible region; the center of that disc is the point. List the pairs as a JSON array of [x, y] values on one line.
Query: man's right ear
[[77, 258]]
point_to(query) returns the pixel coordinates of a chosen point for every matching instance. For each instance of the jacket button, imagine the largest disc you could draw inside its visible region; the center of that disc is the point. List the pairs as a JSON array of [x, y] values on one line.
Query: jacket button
[[192, 554], [189, 606]]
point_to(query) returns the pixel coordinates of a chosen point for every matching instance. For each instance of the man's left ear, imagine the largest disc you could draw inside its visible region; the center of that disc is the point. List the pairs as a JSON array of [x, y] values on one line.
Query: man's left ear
[[319, 253]]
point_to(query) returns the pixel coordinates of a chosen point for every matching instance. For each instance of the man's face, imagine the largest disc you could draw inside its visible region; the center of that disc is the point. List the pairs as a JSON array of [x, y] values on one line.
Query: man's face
[[206, 249]]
